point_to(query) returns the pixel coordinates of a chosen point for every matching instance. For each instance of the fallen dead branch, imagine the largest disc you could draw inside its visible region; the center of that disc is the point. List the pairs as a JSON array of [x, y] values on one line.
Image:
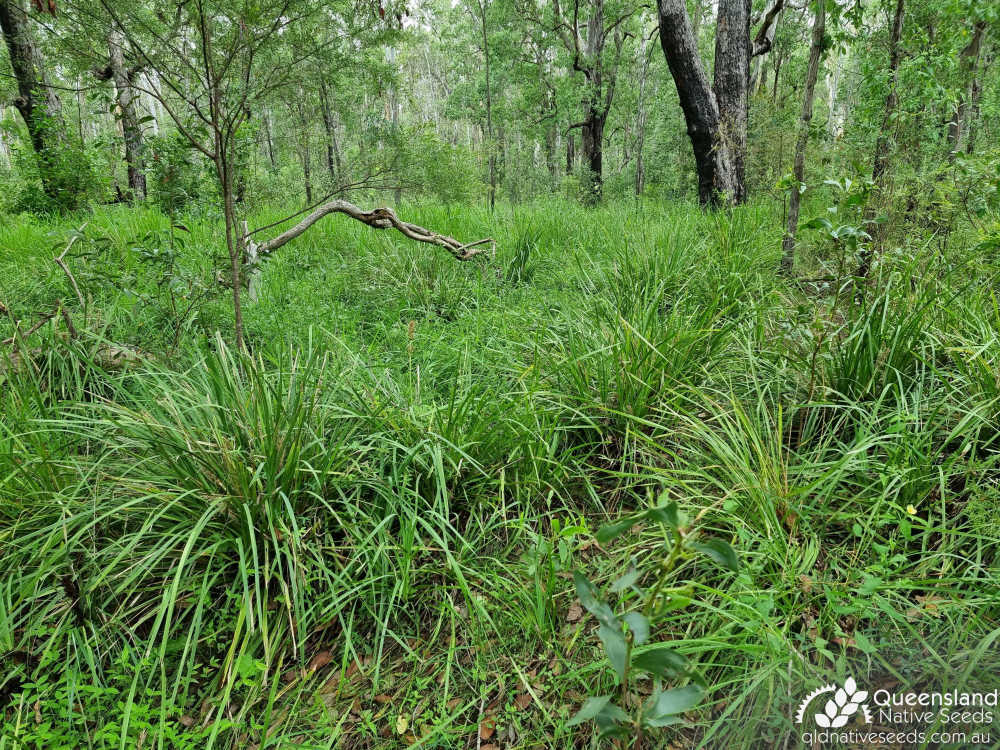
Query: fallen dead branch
[[377, 218]]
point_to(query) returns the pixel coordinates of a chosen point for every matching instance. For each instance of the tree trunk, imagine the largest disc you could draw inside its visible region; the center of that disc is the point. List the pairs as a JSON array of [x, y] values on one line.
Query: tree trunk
[[490, 145], [307, 171], [815, 53], [716, 176], [640, 118], [732, 79], [592, 143], [268, 139], [333, 165], [974, 113], [969, 61], [570, 153], [36, 100], [131, 129], [881, 161]]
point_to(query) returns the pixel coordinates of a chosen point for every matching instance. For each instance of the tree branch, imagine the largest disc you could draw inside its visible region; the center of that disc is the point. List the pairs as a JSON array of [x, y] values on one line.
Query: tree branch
[[378, 218]]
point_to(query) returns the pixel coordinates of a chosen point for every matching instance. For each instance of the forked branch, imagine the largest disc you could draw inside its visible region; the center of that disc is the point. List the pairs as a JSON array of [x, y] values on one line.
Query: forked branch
[[377, 218]]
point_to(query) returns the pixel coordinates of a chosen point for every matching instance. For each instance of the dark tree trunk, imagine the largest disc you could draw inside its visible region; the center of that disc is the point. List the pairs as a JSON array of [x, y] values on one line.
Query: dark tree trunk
[[268, 139], [716, 176], [131, 129], [36, 100], [815, 53], [592, 144], [881, 161], [307, 172], [732, 80], [333, 164], [570, 153], [974, 113]]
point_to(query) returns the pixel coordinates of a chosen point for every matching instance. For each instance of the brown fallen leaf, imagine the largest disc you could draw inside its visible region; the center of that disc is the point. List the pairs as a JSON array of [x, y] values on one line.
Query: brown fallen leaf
[[186, 721], [453, 704], [320, 660], [522, 701], [487, 727], [575, 612], [383, 699]]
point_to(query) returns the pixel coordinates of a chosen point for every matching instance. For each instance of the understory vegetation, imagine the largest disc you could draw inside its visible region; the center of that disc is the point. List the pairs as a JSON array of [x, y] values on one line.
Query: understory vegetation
[[363, 531]]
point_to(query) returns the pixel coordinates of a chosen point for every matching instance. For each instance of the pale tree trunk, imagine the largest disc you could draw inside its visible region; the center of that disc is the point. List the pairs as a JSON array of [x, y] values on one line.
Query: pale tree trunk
[[763, 42], [490, 144], [815, 53], [838, 116], [969, 62], [882, 146], [36, 100], [304, 150], [732, 78], [640, 118], [4, 148], [131, 129], [716, 175]]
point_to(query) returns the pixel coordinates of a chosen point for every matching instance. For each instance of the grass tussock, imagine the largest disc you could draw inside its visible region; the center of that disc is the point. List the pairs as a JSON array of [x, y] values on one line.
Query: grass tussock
[[361, 533]]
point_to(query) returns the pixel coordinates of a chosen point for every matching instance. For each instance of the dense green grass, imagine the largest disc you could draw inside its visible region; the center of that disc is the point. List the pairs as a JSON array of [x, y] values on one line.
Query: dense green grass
[[361, 534]]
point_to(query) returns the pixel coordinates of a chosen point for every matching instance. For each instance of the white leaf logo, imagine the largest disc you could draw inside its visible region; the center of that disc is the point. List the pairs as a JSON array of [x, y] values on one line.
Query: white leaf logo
[[842, 706]]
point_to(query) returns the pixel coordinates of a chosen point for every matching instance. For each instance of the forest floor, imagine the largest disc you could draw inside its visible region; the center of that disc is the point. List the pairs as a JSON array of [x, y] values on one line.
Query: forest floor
[[364, 534]]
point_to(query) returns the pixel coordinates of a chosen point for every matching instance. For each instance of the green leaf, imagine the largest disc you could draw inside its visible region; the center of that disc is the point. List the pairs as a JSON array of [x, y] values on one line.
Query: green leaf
[[590, 708], [664, 708], [615, 647], [639, 626], [588, 598], [626, 580], [660, 661], [612, 713], [720, 552], [614, 530], [666, 515]]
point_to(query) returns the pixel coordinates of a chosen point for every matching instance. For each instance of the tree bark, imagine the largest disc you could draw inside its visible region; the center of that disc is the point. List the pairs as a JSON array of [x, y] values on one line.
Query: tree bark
[[882, 145], [812, 73], [881, 161], [974, 113], [131, 129], [716, 175], [969, 61], [570, 153], [763, 41], [640, 118], [490, 144], [333, 164], [36, 100], [269, 141], [732, 80]]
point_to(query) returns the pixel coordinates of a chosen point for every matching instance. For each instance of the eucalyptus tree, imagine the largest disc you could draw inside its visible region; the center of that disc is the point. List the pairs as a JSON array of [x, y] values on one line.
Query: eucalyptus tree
[[812, 73], [37, 100], [593, 33], [716, 114]]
